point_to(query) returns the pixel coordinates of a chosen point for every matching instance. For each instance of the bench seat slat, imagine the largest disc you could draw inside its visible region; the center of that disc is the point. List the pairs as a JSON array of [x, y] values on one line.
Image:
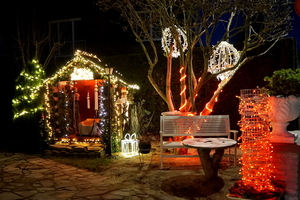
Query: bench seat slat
[[173, 144]]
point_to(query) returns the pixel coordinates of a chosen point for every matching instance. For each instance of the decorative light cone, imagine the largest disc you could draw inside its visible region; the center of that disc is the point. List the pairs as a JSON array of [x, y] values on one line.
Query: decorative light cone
[[282, 111]]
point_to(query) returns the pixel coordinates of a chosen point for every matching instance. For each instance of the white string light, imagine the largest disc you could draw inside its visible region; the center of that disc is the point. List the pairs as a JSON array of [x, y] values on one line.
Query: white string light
[[224, 56], [168, 41], [82, 74], [256, 149]]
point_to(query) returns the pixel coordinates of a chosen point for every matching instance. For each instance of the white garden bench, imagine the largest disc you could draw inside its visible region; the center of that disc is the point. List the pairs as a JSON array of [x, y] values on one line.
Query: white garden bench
[[196, 126]]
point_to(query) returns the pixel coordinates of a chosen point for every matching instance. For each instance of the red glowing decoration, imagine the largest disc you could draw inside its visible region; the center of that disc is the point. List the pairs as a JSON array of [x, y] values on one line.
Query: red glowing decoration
[[183, 89], [256, 149], [297, 7]]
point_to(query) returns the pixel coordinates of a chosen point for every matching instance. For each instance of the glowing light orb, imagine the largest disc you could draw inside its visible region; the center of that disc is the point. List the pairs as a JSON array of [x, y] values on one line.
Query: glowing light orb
[[224, 56], [168, 41], [82, 74]]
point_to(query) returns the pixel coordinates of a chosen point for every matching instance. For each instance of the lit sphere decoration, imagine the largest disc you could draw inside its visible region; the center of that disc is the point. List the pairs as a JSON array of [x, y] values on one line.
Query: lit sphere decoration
[[168, 40], [224, 56]]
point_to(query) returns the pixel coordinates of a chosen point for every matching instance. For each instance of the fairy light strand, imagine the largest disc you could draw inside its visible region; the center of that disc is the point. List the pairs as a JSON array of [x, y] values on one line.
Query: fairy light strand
[[224, 56], [169, 43], [28, 88], [256, 149]]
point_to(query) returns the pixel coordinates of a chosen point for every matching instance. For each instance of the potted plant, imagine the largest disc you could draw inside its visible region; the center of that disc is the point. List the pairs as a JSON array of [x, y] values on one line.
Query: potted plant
[[284, 101], [145, 142], [141, 124]]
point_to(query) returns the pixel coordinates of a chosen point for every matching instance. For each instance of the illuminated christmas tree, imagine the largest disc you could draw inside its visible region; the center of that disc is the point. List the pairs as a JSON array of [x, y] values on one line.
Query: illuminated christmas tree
[[27, 99]]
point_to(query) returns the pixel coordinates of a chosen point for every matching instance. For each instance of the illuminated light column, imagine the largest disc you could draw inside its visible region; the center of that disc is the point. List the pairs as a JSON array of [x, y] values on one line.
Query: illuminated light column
[[102, 110], [256, 149], [109, 72], [96, 96], [48, 115]]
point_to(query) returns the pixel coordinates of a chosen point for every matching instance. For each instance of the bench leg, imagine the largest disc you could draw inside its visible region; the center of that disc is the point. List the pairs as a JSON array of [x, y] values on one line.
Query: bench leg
[[235, 157], [161, 156]]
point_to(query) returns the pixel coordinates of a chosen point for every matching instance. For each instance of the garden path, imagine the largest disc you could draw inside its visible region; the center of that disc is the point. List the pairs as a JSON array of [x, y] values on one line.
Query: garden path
[[32, 177]]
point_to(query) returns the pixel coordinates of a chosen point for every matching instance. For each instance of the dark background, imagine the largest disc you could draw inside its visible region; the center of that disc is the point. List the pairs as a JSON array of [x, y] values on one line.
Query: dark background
[[106, 38]]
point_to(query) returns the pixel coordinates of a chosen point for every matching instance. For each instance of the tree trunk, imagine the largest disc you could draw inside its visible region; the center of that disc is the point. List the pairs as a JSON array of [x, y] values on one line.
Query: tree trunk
[[169, 95], [210, 164]]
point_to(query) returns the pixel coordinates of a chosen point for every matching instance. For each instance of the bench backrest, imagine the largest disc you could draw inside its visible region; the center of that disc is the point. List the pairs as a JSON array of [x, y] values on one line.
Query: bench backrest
[[209, 125]]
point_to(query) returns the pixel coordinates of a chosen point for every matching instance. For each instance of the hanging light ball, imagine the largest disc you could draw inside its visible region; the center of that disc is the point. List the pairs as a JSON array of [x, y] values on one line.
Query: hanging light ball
[[168, 41], [223, 57]]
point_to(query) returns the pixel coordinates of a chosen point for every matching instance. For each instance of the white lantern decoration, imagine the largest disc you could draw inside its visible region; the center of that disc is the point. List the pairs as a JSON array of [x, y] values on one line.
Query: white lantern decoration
[[129, 145], [168, 41], [224, 56]]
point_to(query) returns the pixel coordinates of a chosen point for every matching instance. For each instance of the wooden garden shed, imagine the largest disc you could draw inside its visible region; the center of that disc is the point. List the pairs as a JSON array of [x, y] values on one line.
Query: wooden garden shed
[[82, 100]]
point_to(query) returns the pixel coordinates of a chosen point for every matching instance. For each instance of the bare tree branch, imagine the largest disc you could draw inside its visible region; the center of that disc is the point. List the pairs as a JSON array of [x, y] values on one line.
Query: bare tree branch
[[257, 23]]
